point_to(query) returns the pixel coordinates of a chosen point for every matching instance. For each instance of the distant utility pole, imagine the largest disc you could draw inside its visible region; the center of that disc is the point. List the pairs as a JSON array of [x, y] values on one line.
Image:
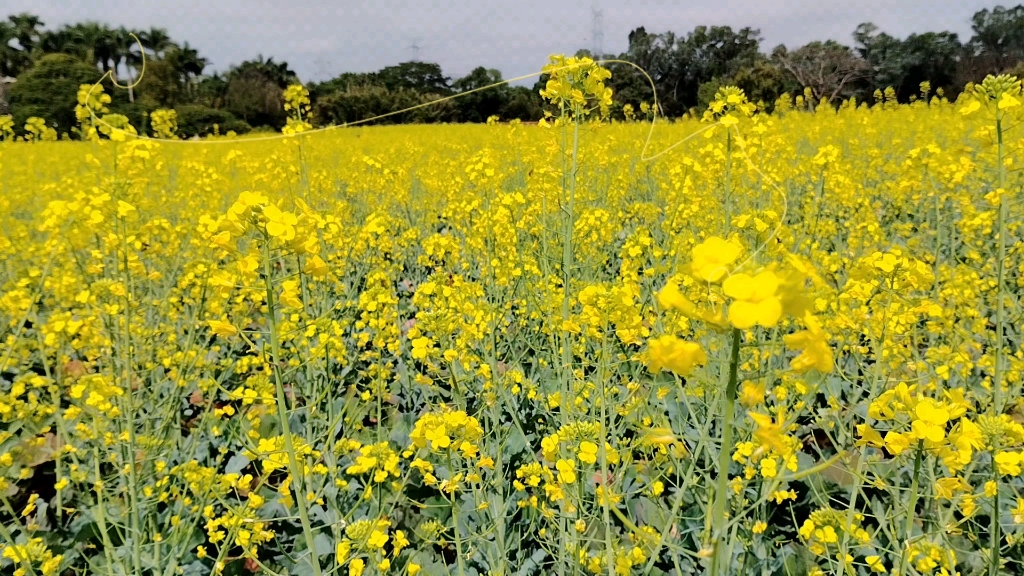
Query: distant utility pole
[[323, 68], [415, 47], [597, 32]]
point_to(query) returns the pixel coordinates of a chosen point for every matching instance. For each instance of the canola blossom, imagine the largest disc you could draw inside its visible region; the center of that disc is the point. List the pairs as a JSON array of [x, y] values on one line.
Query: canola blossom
[[790, 345]]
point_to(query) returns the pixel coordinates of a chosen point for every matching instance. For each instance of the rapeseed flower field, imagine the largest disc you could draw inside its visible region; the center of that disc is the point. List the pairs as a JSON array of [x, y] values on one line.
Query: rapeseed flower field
[[765, 343]]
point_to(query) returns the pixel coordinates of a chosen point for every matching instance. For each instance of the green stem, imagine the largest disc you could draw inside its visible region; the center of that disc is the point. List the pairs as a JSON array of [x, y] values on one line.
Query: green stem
[[567, 265], [282, 414], [994, 527], [912, 506], [997, 383], [303, 170], [728, 180], [26, 562], [460, 558], [720, 564], [133, 474], [938, 240], [861, 455], [605, 476], [101, 515]]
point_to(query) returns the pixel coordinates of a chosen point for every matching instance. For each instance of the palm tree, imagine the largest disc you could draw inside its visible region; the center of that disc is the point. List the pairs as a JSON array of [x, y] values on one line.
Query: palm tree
[[254, 90], [107, 49], [188, 64], [281, 73], [26, 30], [97, 42], [64, 40], [156, 41], [11, 59], [10, 62], [128, 56], [23, 28], [277, 72]]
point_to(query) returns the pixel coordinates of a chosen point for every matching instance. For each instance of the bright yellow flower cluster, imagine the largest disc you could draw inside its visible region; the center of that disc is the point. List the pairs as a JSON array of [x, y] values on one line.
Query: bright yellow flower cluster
[[789, 345], [33, 556], [447, 430], [164, 123], [378, 459], [575, 83]]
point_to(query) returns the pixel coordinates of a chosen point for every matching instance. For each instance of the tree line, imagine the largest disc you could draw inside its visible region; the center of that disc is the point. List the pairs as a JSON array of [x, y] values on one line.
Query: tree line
[[41, 70]]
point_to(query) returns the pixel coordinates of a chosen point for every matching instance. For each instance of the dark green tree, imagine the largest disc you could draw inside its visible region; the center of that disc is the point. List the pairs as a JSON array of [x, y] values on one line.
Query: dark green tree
[[49, 90], [99, 42], [628, 85], [64, 40], [198, 120], [255, 90], [523, 104], [998, 41], [19, 38], [188, 65], [156, 41], [707, 53], [905, 64], [422, 77], [27, 31], [362, 102], [763, 82], [279, 73], [210, 90], [162, 85], [478, 106], [679, 65], [12, 58]]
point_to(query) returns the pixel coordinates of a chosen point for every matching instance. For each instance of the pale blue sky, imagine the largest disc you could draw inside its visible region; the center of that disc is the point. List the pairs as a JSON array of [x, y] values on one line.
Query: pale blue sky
[[320, 38]]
